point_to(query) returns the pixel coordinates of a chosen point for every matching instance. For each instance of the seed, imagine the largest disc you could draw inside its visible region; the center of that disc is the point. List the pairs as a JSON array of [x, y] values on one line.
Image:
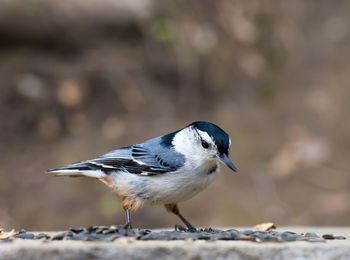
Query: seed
[[339, 237], [76, 230], [42, 235], [247, 232], [119, 233], [59, 236], [24, 235], [311, 235], [328, 236], [288, 236]]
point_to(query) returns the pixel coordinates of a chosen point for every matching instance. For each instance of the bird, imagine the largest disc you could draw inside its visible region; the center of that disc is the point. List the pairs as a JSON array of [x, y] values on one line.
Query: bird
[[164, 170]]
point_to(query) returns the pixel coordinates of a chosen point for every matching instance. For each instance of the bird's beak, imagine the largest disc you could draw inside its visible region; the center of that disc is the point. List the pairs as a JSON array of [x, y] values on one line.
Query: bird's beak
[[223, 158]]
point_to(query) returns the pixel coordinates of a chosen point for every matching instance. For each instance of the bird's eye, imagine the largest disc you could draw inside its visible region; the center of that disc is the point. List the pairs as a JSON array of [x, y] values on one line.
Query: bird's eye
[[205, 144]]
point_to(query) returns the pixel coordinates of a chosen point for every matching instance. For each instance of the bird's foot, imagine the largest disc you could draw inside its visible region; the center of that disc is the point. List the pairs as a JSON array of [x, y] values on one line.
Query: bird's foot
[[182, 228], [127, 226]]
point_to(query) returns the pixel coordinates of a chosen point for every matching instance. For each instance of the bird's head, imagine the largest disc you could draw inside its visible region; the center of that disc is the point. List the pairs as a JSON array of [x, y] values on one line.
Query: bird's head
[[203, 141]]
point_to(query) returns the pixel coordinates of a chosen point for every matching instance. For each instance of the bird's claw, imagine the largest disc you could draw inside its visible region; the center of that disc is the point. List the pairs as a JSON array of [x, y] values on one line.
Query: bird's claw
[[182, 228], [192, 229], [179, 228], [127, 226]]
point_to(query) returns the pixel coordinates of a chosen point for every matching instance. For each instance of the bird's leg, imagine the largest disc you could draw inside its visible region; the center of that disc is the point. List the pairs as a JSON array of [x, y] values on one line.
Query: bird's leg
[[126, 207], [127, 218], [173, 208]]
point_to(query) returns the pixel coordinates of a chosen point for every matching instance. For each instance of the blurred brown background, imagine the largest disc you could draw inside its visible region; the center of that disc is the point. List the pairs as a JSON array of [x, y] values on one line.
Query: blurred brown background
[[80, 78]]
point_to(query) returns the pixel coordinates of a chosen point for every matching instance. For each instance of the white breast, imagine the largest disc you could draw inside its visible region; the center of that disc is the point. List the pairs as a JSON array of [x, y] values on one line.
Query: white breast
[[166, 188]]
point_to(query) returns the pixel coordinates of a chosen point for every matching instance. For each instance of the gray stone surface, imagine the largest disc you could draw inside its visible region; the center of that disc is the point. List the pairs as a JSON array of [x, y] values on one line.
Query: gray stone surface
[[332, 249]]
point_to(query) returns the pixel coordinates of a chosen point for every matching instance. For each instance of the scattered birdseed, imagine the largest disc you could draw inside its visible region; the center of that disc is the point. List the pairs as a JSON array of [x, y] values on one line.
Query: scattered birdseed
[[7, 235], [24, 235], [42, 236], [63, 235], [311, 235], [340, 237], [118, 233], [328, 236], [76, 230], [265, 226]]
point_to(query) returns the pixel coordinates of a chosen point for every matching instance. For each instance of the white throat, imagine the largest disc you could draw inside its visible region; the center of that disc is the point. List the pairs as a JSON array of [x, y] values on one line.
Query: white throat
[[185, 143]]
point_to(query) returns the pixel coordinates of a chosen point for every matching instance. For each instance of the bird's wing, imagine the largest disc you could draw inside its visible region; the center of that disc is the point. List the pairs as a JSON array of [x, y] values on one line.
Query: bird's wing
[[99, 166], [149, 158]]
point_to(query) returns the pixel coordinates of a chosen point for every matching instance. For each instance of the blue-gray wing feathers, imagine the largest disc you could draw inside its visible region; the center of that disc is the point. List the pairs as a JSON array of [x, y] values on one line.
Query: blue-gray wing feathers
[[148, 158]]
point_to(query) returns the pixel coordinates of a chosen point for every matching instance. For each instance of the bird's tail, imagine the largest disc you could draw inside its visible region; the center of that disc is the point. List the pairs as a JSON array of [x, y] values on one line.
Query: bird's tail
[[77, 170]]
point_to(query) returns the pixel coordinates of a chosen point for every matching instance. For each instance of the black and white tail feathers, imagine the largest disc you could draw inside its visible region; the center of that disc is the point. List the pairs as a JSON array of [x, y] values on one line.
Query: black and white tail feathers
[[77, 170]]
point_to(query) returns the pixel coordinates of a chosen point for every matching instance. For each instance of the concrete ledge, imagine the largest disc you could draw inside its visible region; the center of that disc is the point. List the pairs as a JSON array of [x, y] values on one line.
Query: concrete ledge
[[33, 249]]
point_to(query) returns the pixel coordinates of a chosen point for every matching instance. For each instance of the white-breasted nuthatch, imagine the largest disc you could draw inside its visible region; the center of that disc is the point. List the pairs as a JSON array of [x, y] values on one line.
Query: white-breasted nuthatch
[[163, 170]]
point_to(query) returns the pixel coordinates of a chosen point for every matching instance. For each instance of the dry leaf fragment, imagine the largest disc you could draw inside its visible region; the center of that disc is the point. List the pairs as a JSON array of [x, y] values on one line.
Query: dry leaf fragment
[[7, 235], [265, 226]]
